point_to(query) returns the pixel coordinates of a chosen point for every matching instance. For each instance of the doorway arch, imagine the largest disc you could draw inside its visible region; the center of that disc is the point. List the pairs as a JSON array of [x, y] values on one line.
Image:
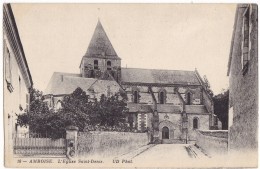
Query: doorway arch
[[166, 129], [165, 132]]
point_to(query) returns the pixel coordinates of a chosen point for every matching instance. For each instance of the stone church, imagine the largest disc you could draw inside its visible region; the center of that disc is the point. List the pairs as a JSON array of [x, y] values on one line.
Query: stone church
[[178, 99]]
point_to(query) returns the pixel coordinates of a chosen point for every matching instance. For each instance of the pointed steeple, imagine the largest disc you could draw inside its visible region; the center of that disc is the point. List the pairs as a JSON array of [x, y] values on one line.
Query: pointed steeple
[[100, 46]]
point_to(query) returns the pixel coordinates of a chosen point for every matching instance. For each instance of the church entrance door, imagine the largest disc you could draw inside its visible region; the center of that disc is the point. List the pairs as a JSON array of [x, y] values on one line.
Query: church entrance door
[[165, 133]]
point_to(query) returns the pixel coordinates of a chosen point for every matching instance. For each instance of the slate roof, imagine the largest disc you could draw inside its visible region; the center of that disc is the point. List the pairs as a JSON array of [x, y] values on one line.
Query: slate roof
[[100, 46], [232, 40], [66, 83], [155, 76]]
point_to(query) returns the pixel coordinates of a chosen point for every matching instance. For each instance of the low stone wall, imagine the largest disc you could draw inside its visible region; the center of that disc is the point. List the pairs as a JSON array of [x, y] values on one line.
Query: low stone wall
[[109, 144], [215, 133], [212, 142]]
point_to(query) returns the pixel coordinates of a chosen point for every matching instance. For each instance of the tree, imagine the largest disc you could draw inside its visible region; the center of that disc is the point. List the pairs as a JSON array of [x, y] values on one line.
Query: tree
[[36, 118], [41, 119], [76, 109], [109, 113], [207, 86], [221, 107]]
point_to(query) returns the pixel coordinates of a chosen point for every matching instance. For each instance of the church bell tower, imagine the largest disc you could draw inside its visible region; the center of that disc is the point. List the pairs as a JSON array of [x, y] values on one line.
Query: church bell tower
[[101, 60]]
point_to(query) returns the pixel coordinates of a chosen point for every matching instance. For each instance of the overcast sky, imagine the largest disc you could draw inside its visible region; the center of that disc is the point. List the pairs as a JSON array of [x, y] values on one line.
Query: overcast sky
[[157, 36]]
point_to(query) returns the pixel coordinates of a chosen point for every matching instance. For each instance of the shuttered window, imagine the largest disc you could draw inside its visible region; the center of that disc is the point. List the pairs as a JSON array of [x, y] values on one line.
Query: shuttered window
[[8, 67], [27, 102], [246, 40]]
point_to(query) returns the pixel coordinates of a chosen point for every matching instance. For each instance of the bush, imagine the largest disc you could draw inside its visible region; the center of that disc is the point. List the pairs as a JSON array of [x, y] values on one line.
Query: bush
[[108, 114]]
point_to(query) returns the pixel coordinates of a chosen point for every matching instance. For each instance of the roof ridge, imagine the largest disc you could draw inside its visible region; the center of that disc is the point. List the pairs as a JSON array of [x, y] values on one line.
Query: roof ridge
[[94, 79], [66, 73], [158, 69]]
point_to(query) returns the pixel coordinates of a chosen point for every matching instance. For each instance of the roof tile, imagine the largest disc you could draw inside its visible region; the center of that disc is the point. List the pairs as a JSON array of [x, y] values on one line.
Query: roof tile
[[155, 76], [100, 46]]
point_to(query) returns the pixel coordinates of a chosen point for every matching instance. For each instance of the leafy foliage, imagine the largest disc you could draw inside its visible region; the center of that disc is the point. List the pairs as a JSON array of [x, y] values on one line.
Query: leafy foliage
[[207, 86], [76, 109], [221, 108], [37, 116]]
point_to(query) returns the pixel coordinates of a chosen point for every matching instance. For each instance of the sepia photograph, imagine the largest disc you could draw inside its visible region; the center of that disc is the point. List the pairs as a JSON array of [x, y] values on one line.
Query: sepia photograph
[[130, 85]]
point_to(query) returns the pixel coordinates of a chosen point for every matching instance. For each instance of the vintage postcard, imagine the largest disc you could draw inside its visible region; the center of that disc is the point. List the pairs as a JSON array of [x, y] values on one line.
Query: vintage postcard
[[130, 85]]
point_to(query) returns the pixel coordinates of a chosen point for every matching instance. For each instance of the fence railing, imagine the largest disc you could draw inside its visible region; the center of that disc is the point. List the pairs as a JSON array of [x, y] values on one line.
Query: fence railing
[[35, 135], [38, 144]]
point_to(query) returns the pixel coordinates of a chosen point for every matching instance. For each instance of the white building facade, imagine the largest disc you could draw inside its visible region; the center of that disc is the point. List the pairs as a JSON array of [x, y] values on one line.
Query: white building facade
[[17, 78]]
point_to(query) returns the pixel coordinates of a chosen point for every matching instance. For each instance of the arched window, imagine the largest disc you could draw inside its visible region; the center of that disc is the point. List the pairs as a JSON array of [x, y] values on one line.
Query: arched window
[[95, 64], [162, 97], [135, 97], [188, 98], [58, 105], [165, 133], [108, 65], [195, 123]]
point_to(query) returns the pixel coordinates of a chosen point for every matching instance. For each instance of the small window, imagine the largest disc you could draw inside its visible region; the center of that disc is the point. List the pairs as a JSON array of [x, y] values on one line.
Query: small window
[[8, 68], [58, 105], [135, 97], [27, 102], [195, 123], [188, 98], [108, 65], [162, 97], [95, 64], [20, 90], [16, 127], [246, 40]]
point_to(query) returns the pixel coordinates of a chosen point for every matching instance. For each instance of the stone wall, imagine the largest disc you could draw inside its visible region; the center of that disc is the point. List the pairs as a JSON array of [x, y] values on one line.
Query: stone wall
[[109, 144], [174, 122], [203, 124], [87, 68], [102, 63], [243, 97], [212, 142]]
